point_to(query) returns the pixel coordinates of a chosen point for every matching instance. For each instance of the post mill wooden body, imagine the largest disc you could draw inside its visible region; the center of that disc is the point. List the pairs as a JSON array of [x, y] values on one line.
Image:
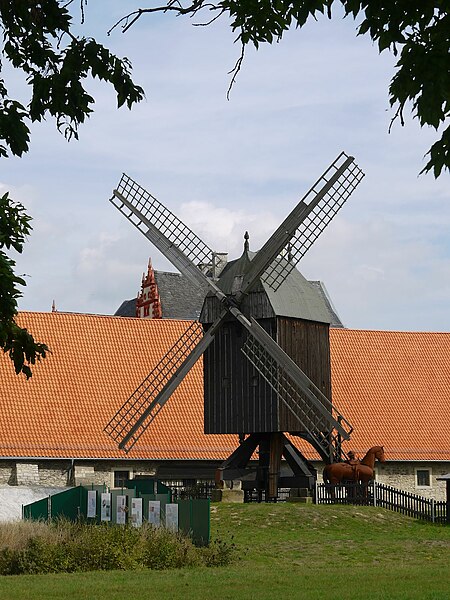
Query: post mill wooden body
[[238, 399], [266, 345]]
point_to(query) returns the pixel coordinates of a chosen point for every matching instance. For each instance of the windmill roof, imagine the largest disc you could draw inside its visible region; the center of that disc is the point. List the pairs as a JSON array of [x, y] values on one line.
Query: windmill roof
[[335, 320], [296, 297], [394, 387]]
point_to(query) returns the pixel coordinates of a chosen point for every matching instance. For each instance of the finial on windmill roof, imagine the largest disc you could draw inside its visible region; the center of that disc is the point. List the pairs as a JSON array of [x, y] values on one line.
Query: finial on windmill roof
[[289, 249], [246, 244]]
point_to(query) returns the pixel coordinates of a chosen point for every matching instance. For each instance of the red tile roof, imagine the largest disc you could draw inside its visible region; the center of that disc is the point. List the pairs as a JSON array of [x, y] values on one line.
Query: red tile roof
[[96, 363], [393, 387]]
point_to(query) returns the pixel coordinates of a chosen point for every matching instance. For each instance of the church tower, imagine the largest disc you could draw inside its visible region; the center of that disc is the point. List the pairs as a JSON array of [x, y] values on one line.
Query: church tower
[[148, 305]]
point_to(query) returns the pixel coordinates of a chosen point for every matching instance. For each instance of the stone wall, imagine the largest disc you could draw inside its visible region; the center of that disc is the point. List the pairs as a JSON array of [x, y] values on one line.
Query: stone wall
[[7, 473], [102, 472], [61, 473], [33, 473], [27, 474], [402, 475]]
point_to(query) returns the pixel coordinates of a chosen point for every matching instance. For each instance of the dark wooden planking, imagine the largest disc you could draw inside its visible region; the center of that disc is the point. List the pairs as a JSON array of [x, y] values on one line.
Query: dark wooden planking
[[308, 344], [255, 304], [237, 398]]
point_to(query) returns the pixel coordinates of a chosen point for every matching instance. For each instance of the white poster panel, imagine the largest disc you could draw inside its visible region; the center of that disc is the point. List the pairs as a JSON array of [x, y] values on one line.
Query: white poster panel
[[136, 512], [91, 504], [154, 513], [121, 510], [106, 506], [172, 517]]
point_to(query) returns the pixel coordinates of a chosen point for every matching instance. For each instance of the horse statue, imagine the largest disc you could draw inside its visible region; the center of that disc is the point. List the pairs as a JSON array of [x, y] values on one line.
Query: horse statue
[[361, 471]]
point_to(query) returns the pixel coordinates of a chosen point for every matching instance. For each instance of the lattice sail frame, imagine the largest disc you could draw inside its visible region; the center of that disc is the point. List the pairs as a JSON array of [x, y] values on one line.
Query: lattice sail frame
[[328, 204], [309, 405], [179, 244], [141, 408]]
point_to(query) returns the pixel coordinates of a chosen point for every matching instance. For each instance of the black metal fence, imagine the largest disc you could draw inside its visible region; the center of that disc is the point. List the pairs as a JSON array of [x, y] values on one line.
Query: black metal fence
[[384, 496], [191, 489], [345, 493]]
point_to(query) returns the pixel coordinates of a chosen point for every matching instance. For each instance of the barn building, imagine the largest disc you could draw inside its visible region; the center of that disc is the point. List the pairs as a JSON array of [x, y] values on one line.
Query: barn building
[[394, 387]]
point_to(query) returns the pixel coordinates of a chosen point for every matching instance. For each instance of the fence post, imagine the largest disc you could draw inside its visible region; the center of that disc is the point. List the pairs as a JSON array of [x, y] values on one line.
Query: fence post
[[433, 516], [374, 493]]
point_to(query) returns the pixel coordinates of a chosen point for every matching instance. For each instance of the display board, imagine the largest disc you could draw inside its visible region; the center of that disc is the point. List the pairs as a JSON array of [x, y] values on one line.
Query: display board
[[105, 514], [172, 517], [154, 513]]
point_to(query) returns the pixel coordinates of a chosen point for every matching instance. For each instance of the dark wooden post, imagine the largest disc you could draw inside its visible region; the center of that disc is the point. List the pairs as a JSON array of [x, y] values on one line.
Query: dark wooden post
[[446, 478], [276, 450]]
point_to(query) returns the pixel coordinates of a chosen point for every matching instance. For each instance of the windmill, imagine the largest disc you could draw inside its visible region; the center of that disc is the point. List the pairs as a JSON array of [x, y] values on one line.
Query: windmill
[[254, 385]]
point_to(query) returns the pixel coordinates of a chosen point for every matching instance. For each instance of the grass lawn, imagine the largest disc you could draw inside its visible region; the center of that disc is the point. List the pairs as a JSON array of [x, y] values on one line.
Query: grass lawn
[[283, 551]]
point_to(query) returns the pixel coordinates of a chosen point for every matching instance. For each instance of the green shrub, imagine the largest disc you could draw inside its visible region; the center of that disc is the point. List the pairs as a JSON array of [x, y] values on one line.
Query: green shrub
[[9, 562], [218, 554], [69, 547], [42, 556], [163, 549], [103, 547]]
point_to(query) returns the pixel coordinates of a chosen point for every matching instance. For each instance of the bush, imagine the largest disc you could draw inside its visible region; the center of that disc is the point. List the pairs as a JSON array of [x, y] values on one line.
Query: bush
[[106, 547], [163, 549], [219, 553], [63, 546]]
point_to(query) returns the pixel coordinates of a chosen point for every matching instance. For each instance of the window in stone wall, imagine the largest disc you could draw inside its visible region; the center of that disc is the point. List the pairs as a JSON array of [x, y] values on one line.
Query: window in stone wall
[[423, 478], [120, 478]]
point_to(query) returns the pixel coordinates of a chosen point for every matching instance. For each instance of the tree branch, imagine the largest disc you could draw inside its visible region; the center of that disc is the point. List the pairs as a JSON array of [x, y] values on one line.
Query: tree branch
[[235, 70], [130, 19], [398, 115], [210, 21]]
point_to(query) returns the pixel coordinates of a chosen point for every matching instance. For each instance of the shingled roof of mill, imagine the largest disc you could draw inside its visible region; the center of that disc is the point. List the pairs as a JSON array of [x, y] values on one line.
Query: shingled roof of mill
[[296, 297], [181, 299]]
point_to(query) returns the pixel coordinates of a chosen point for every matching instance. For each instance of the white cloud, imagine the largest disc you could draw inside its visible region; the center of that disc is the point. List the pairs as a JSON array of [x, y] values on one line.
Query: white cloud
[[224, 228]]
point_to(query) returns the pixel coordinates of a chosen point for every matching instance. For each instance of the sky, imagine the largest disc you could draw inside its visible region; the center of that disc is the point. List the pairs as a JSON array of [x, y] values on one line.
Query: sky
[[227, 166]]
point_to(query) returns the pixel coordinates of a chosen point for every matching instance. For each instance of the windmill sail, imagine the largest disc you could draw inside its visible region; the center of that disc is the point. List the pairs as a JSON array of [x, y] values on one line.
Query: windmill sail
[[141, 408], [179, 244], [326, 200], [136, 414], [289, 243]]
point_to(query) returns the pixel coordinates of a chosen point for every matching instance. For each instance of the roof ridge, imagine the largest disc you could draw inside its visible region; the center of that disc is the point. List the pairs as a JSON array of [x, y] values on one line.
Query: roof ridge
[[57, 313], [390, 331]]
